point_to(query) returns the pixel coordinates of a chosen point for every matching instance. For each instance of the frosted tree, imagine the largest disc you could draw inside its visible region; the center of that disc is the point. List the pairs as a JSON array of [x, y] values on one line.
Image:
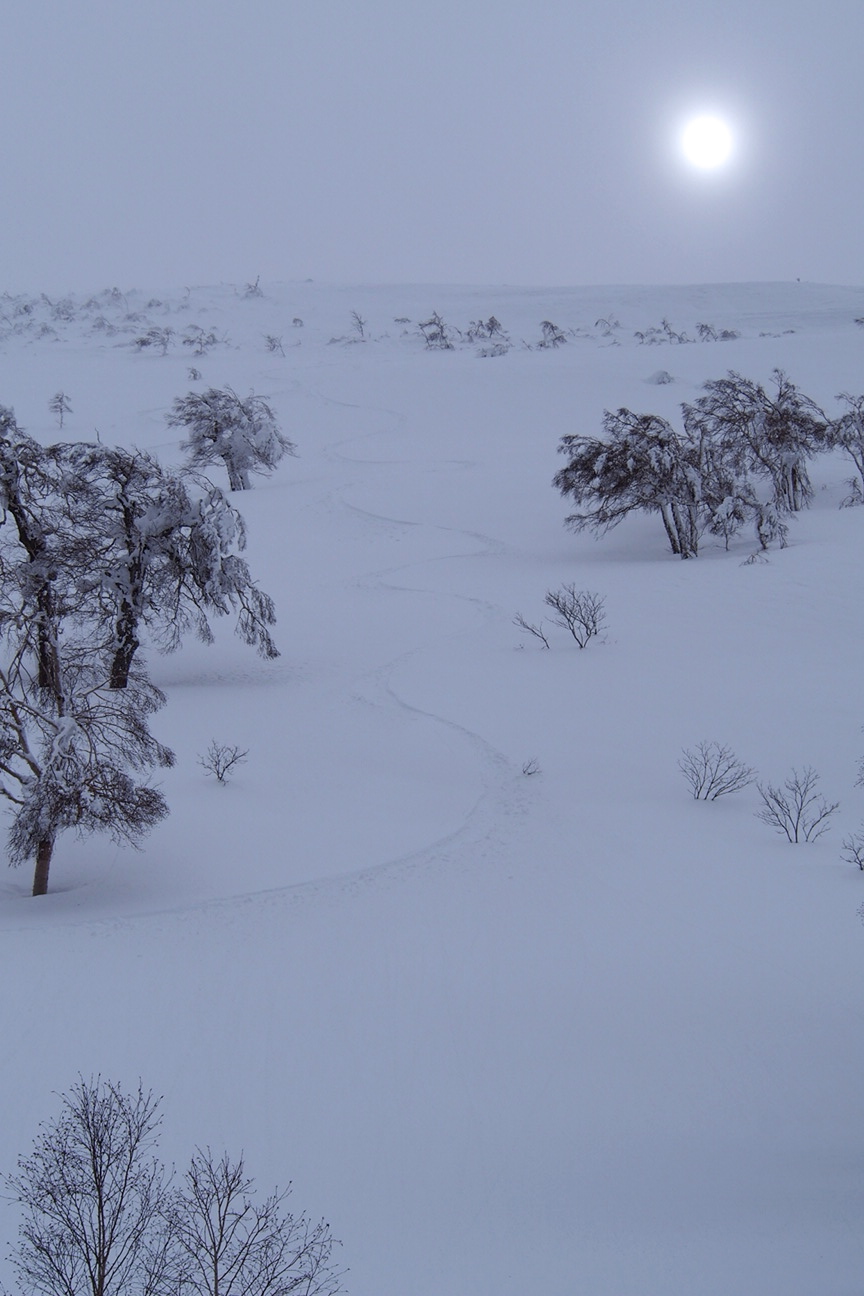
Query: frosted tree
[[166, 552], [72, 754], [847, 433], [224, 428], [642, 465], [761, 435], [39, 535], [71, 751], [59, 405]]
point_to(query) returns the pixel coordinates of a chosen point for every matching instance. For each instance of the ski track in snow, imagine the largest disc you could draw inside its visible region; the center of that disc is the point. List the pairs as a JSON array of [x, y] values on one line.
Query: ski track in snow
[[596, 1036]]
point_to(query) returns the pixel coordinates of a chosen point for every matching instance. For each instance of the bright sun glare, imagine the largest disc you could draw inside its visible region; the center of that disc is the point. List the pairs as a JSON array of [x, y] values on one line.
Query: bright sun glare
[[706, 142]]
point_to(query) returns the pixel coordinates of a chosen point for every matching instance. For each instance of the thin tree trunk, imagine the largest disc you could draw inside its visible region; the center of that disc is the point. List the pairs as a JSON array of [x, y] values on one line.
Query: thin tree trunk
[[44, 851], [670, 530]]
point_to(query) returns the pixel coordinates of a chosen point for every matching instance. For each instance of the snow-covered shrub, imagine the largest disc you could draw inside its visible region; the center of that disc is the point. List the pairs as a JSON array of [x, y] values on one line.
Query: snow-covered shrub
[[847, 433], [437, 335], [551, 336]]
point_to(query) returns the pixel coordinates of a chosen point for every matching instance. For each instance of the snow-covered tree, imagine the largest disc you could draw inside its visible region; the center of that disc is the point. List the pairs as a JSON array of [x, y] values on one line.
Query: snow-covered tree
[[642, 464], [166, 549], [71, 754], [241, 433], [847, 432], [71, 750], [761, 435], [39, 537], [741, 456]]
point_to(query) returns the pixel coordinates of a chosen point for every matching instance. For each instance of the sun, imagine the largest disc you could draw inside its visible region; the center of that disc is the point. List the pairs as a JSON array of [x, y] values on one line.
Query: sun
[[706, 142]]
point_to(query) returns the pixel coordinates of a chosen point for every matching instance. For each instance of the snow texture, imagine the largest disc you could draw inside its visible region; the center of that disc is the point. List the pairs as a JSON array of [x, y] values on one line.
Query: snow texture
[[568, 1033]]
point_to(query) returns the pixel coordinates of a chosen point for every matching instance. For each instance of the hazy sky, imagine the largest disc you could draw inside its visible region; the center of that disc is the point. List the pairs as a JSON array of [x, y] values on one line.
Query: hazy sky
[[158, 143]]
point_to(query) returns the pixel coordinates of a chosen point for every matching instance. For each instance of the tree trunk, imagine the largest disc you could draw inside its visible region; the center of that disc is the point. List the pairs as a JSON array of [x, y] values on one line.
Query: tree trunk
[[670, 530], [44, 851], [127, 643], [238, 478]]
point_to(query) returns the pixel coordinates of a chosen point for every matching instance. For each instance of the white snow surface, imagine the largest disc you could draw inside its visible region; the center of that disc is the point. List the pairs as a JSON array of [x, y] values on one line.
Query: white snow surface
[[561, 1033]]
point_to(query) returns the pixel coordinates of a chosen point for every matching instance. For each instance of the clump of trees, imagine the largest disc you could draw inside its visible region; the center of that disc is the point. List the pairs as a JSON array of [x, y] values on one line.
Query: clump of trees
[[100, 1214], [741, 456], [98, 545]]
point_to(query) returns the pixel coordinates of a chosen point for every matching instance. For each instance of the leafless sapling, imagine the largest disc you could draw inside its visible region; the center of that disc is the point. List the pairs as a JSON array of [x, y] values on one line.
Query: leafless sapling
[[796, 810], [853, 848], [712, 770], [220, 760], [530, 628], [579, 611], [59, 406]]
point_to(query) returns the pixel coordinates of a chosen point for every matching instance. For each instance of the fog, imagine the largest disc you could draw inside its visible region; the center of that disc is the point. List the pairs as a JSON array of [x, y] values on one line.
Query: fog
[[201, 141]]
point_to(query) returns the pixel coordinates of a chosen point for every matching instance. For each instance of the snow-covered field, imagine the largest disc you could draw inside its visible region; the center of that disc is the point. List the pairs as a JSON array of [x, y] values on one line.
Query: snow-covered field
[[555, 1033]]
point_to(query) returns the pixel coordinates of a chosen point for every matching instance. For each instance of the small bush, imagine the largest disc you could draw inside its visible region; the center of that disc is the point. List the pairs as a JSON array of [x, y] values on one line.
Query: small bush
[[220, 760], [712, 770], [579, 611], [796, 810], [853, 848]]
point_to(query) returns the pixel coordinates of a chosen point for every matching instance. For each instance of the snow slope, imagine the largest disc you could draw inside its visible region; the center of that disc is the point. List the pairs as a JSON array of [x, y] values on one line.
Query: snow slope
[[557, 1033]]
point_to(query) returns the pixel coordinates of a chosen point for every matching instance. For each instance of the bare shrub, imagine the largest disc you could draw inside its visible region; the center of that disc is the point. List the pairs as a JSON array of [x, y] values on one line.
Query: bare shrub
[[530, 767], [530, 628], [853, 848], [274, 344], [712, 770], [579, 611], [437, 335], [796, 810], [221, 760]]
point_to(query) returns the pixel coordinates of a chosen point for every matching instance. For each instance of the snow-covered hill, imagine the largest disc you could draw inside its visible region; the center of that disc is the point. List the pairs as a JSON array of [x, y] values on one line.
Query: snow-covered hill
[[560, 1032]]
